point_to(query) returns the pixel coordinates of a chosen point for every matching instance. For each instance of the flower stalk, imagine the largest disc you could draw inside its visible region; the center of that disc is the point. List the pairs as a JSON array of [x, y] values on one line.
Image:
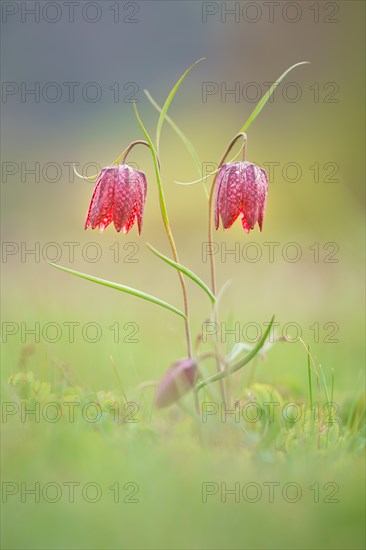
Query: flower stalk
[[164, 214]]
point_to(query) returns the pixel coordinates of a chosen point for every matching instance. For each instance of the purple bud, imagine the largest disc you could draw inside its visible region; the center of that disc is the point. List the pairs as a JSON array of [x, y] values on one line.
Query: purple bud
[[177, 381]]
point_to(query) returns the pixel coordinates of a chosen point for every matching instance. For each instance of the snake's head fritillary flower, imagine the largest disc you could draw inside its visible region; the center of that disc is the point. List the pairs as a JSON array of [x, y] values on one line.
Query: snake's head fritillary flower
[[119, 196], [241, 188], [177, 381]]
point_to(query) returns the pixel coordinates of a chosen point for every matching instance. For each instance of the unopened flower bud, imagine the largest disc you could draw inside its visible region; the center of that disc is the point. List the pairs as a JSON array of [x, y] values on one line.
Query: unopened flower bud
[[177, 381]]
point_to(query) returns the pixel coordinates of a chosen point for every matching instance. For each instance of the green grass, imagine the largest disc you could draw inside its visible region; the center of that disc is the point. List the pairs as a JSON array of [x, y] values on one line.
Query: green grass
[[169, 456]]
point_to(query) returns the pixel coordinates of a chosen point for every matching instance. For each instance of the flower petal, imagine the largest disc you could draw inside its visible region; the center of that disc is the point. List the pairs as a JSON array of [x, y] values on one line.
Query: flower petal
[[119, 196], [102, 200], [230, 198], [220, 177], [177, 381], [242, 188], [141, 198]]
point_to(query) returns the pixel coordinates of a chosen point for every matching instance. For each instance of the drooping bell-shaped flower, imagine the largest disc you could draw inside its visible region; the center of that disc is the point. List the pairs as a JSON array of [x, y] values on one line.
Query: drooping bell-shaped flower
[[177, 381], [241, 188], [119, 196]]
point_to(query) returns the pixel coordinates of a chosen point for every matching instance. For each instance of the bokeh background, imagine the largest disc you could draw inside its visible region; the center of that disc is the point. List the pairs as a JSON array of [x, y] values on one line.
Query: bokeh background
[[316, 122]]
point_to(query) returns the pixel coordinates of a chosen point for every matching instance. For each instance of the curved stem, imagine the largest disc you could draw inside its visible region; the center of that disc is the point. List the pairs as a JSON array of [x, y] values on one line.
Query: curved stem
[[210, 242], [123, 157]]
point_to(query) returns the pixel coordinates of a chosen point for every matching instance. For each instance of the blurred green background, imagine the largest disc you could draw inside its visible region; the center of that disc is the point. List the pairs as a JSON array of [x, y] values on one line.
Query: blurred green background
[[323, 129]]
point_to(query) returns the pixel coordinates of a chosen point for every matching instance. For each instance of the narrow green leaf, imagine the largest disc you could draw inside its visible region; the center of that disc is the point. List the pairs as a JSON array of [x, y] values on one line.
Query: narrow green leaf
[[267, 95], [168, 102], [144, 131], [184, 270], [122, 288], [164, 212], [190, 148], [239, 364]]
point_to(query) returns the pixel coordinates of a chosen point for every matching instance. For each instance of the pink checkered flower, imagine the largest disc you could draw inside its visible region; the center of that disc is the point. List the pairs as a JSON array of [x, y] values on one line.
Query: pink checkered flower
[[241, 188], [119, 196]]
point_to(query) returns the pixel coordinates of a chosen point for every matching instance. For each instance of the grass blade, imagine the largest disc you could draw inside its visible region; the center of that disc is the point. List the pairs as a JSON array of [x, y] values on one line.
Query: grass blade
[[184, 270], [168, 102], [239, 364], [309, 380], [267, 95], [330, 407], [122, 288], [324, 383]]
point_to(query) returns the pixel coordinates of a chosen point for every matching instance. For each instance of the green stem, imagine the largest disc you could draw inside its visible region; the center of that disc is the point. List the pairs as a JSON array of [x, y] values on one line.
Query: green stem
[[164, 214]]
